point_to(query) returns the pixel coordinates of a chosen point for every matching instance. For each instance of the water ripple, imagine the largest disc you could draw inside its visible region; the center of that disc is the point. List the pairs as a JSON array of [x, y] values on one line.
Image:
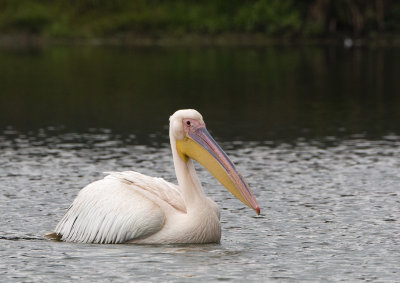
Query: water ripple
[[330, 211]]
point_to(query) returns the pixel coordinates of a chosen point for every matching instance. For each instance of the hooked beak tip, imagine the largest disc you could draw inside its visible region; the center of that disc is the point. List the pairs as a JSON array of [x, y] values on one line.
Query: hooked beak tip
[[258, 210]]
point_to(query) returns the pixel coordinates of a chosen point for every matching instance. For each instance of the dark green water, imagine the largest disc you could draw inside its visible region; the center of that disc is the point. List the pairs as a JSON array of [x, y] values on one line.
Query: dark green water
[[252, 94]]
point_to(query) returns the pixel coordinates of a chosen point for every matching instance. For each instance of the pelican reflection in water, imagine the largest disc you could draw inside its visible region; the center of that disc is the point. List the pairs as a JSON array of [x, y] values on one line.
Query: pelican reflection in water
[[128, 207]]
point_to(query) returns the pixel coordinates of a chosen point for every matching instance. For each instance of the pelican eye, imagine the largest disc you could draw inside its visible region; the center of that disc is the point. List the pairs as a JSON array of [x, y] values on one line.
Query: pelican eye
[[188, 123]]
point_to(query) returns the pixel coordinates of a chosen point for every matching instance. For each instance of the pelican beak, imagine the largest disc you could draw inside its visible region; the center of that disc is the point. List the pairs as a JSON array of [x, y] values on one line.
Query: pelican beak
[[199, 145]]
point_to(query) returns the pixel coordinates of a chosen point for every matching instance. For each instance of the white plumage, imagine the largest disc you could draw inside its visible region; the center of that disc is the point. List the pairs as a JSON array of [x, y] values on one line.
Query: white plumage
[[129, 207]]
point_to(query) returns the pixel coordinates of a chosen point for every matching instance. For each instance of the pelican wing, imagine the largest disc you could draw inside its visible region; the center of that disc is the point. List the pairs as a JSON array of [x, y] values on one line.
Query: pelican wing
[[117, 209], [162, 189]]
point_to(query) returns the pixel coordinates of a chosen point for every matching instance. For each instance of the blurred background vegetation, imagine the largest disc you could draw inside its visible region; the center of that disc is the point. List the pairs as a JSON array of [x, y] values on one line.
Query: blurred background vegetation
[[289, 19]]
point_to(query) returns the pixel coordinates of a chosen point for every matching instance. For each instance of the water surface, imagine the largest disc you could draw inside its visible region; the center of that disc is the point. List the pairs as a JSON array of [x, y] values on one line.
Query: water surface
[[314, 130], [248, 94]]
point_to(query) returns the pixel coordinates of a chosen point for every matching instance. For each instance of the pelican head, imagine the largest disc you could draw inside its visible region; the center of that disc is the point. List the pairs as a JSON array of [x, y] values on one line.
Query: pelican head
[[193, 141]]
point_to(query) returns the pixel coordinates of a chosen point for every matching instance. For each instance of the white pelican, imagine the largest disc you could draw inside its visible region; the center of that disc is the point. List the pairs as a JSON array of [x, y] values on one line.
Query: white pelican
[[128, 207]]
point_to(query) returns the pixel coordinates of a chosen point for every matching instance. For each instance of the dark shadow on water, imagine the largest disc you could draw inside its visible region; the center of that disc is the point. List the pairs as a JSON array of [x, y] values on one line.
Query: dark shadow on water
[[243, 93], [19, 238]]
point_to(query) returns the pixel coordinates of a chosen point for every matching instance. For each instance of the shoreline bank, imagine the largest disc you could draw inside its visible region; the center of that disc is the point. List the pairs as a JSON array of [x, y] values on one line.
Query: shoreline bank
[[24, 40]]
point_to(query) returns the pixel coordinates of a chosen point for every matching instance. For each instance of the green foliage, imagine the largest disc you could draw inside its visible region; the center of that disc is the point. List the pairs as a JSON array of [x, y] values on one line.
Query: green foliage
[[271, 17], [393, 16], [27, 16]]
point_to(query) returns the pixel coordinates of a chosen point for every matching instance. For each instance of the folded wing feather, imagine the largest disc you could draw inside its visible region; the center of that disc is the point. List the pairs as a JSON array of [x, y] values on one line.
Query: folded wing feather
[[114, 210], [157, 186]]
